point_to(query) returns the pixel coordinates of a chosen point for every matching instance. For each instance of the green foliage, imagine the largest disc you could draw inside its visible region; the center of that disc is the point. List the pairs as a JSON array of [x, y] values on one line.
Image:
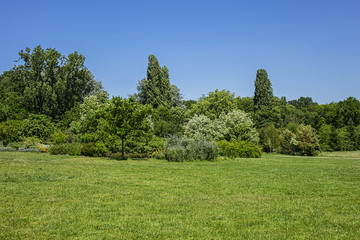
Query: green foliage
[[72, 149], [167, 120], [241, 149], [271, 138], [201, 126], [155, 89], [326, 137], [48, 83], [9, 131], [304, 142], [31, 142], [176, 97], [92, 149], [125, 116], [214, 104], [59, 137], [246, 104], [37, 125], [287, 142], [263, 91], [348, 110], [184, 149], [302, 102], [7, 149], [343, 140], [236, 126], [159, 154], [307, 143]]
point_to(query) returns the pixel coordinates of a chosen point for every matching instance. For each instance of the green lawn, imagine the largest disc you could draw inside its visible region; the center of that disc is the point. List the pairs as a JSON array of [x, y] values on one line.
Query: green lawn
[[275, 197]]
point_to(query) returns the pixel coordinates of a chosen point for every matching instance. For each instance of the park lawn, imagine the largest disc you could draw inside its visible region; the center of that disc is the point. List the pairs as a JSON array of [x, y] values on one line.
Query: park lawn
[[276, 197]]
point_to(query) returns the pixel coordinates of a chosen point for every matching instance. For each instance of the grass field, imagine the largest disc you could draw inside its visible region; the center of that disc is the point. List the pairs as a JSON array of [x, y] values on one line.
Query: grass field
[[275, 197]]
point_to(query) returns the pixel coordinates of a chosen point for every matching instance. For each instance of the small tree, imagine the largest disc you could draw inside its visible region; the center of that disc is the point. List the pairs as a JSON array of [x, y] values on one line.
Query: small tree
[[201, 126], [125, 116], [287, 142], [307, 141], [237, 126], [271, 137]]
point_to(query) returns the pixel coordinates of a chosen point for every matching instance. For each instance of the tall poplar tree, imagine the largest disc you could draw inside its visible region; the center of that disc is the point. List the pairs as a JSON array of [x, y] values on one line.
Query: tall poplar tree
[[155, 88], [263, 91]]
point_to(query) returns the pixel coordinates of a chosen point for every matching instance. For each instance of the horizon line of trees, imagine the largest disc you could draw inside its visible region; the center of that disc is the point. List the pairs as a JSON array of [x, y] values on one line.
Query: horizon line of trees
[[48, 93]]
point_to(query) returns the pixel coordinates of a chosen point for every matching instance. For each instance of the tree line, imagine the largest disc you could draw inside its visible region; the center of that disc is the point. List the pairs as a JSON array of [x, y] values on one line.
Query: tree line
[[50, 98]]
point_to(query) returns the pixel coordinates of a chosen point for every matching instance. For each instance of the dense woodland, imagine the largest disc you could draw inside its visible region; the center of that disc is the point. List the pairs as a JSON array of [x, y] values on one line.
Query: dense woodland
[[51, 102]]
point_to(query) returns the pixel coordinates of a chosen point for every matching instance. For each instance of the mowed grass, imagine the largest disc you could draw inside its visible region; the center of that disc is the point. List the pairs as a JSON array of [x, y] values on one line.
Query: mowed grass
[[275, 197]]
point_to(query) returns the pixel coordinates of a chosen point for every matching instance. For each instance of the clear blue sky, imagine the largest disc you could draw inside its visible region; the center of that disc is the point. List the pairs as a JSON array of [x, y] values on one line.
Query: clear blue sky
[[309, 47]]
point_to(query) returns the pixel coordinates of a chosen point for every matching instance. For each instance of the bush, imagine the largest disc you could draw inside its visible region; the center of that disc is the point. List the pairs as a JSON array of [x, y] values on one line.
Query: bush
[[31, 142], [159, 154], [9, 131], [29, 149], [59, 137], [73, 149], [184, 149], [37, 125], [304, 142], [7, 149], [307, 141], [242, 149], [92, 149]]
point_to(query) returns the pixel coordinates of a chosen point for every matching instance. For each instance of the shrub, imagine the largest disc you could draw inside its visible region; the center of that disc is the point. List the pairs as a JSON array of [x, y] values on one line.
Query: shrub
[[29, 149], [15, 145], [242, 149], [44, 149], [59, 137], [37, 125], [73, 149], [184, 149], [307, 141], [30, 142], [92, 149], [9, 131], [287, 142], [159, 154], [7, 149], [304, 142]]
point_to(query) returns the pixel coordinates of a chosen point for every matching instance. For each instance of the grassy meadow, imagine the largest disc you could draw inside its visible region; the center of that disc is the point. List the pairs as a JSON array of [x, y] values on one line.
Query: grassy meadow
[[276, 197]]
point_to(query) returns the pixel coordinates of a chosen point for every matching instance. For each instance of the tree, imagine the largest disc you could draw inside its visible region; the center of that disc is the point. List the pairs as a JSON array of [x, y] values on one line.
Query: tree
[[45, 82], [200, 126], [348, 110], [287, 142], [176, 96], [167, 120], [155, 89], [125, 116], [270, 137], [343, 140], [214, 104], [325, 137], [236, 126], [307, 143], [263, 91]]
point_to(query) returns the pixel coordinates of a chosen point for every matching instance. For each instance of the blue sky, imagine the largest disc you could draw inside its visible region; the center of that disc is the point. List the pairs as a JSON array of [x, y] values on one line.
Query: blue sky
[[309, 48]]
